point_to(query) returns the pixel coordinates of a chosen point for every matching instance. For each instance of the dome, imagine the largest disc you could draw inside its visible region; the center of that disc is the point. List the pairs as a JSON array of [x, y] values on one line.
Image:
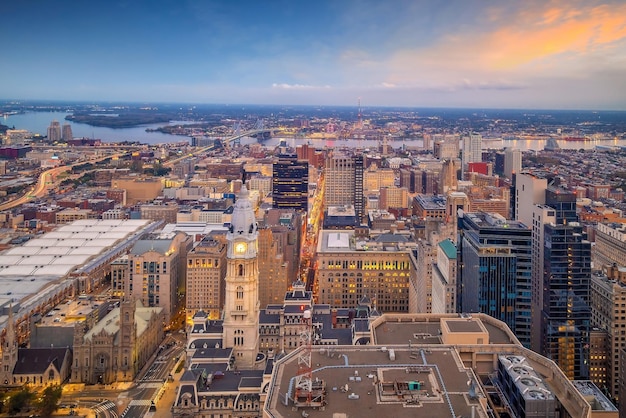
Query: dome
[[243, 220]]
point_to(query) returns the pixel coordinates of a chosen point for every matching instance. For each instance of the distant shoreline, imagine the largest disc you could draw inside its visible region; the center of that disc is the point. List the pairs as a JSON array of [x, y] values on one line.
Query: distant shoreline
[[129, 120]]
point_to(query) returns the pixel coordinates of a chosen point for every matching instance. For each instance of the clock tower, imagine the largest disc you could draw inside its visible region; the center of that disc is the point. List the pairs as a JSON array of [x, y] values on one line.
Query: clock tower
[[241, 304]]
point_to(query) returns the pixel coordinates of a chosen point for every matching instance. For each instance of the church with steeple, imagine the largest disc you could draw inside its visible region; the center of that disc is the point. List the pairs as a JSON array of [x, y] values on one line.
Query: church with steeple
[[36, 367]]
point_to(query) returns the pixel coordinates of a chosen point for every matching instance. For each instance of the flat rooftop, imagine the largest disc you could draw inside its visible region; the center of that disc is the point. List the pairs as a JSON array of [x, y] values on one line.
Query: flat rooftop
[[416, 382], [422, 330]]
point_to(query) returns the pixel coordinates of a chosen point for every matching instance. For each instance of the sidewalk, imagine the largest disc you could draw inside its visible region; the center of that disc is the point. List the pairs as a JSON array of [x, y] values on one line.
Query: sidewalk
[[167, 398]]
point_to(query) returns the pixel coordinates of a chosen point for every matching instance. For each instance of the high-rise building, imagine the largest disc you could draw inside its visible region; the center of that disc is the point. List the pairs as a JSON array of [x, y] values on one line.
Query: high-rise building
[[241, 305], [448, 181], [393, 198], [541, 215], [54, 131], [565, 316], [608, 292], [610, 245], [496, 274], [290, 183], [564, 204], [444, 278], [375, 178], [512, 162], [343, 183], [67, 132], [472, 149], [157, 271], [376, 267], [279, 253], [530, 190], [446, 147], [206, 270]]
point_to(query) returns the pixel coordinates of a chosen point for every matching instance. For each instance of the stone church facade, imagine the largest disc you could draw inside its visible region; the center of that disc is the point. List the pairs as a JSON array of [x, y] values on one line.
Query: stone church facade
[[118, 346]]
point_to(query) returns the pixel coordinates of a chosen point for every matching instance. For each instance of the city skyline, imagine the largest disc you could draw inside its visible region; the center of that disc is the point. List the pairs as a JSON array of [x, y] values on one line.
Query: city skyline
[[547, 55]]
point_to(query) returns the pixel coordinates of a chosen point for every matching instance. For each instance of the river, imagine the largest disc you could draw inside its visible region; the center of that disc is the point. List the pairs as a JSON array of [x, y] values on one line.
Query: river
[[38, 122]]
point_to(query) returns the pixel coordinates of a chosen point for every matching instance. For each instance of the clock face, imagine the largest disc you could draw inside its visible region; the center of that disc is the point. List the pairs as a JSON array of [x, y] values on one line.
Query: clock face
[[240, 247]]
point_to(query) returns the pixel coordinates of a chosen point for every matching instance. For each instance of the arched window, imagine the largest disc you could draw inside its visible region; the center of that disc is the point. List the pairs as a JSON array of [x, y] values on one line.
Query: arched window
[[239, 292], [240, 270]]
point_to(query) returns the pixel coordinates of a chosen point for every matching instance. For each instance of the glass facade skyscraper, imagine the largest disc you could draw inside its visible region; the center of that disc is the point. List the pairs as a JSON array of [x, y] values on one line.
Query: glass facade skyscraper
[[290, 183], [566, 315], [495, 277]]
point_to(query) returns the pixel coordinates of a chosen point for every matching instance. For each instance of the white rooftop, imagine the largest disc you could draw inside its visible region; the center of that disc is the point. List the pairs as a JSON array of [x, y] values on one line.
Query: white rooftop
[[338, 240], [55, 254]]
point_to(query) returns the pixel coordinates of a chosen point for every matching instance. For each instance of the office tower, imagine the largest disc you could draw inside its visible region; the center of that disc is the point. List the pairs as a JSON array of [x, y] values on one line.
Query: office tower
[[496, 274], [444, 278], [359, 197], [541, 215], [446, 147], [166, 212], [456, 204], [610, 247], [622, 384], [279, 253], [405, 177], [393, 198], [157, 271], [67, 132], [472, 149], [343, 183], [421, 273], [565, 317], [512, 162], [290, 183], [376, 267], [375, 178], [206, 270], [564, 204], [274, 279], [417, 181], [241, 305], [54, 131], [119, 276], [608, 293], [530, 190], [430, 182], [498, 166], [448, 181]]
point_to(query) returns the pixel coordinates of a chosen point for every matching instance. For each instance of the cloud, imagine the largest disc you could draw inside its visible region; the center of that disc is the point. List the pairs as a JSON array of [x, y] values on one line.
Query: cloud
[[287, 86], [514, 45]]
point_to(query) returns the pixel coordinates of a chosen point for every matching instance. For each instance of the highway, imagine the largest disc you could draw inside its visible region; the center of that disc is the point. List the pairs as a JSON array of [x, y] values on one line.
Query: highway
[[48, 176]]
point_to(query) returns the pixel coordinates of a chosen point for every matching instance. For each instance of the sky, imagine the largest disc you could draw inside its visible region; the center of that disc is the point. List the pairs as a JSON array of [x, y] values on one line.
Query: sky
[[530, 54]]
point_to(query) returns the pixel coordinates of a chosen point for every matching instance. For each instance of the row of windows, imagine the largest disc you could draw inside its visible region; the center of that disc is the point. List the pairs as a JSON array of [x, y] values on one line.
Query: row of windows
[[367, 264], [203, 262]]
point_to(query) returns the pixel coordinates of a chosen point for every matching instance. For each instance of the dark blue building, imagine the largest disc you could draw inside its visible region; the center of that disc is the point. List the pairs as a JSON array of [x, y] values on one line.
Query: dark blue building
[[290, 183], [565, 313], [495, 273]]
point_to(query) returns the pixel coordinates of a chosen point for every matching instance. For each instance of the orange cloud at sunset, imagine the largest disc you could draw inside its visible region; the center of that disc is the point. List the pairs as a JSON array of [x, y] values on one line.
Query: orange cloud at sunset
[[554, 37]]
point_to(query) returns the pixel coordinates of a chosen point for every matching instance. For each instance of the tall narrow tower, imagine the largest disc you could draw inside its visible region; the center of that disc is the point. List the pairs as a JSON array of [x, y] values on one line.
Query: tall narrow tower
[[9, 351], [241, 306]]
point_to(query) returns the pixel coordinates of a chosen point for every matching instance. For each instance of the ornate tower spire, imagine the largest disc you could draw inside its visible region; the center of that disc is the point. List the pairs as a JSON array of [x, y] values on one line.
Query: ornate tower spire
[[241, 306]]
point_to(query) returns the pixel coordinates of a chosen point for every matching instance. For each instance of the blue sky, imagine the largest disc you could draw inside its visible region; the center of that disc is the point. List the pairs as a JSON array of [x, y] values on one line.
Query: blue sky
[[455, 53]]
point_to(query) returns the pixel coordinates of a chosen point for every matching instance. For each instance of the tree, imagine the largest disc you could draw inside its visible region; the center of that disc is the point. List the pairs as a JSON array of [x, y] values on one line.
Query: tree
[[49, 401], [19, 400]]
